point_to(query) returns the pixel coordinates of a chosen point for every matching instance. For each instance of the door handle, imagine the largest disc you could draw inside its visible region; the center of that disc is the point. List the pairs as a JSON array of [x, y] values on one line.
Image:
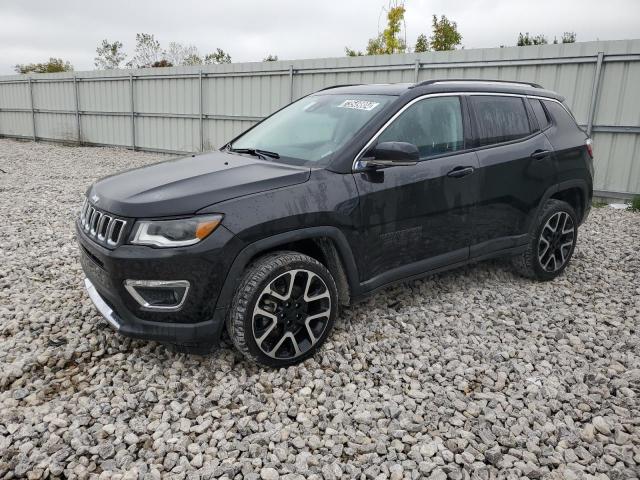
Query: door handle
[[460, 172], [540, 154]]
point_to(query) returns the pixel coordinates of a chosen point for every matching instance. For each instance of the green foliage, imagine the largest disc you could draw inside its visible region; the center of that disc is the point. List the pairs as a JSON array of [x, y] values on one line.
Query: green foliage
[[422, 44], [162, 63], [147, 52], [109, 55], [445, 35], [527, 39], [392, 41], [352, 53], [178, 54], [52, 66], [599, 204], [192, 59], [270, 58], [375, 46], [635, 204], [217, 57], [389, 41]]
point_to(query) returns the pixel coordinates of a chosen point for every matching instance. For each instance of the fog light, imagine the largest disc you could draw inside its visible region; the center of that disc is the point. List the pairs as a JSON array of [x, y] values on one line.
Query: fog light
[[164, 295]]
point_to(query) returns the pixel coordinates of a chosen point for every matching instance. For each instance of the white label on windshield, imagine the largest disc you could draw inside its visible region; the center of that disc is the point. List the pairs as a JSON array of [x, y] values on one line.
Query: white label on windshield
[[359, 104]]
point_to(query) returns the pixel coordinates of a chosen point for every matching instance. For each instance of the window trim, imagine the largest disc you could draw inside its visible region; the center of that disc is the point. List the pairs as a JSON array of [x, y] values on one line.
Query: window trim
[[355, 167], [532, 130], [550, 119]]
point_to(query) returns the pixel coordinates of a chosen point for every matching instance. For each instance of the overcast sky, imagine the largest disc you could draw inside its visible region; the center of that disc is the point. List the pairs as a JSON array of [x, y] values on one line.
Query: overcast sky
[[34, 30]]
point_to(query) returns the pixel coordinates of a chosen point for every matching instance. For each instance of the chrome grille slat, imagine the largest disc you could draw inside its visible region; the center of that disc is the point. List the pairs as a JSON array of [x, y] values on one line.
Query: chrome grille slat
[[100, 226]]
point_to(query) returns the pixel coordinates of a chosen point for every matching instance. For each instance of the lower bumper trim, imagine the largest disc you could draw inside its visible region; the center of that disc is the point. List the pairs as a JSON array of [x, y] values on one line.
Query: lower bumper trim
[[105, 310], [191, 336]]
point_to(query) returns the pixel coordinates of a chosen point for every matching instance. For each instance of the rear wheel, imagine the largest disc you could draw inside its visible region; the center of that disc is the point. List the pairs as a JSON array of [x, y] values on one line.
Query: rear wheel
[[553, 240], [283, 309]]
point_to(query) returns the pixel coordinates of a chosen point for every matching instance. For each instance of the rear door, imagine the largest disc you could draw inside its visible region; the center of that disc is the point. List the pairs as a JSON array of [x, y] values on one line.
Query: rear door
[[417, 218], [516, 168]]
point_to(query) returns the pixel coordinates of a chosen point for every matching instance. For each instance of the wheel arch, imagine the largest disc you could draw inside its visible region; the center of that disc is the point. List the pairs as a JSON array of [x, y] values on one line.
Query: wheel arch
[[327, 244], [574, 192]]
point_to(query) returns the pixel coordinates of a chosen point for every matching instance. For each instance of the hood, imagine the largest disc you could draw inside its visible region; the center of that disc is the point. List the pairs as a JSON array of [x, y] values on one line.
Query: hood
[[185, 185]]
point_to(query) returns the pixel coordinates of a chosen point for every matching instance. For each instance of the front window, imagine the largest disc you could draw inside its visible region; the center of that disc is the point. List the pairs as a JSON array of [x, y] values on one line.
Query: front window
[[434, 125], [313, 128]]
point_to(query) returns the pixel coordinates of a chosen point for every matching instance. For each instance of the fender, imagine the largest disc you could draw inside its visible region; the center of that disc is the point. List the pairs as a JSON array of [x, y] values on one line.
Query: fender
[[250, 251], [566, 185]]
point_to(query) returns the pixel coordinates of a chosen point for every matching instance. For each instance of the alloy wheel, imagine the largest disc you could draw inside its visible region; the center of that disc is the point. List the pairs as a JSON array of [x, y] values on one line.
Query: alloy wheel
[[291, 314], [556, 241]]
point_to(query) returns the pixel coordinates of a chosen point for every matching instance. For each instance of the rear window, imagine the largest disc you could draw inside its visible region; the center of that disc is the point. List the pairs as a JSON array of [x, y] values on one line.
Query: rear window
[[560, 115], [541, 115], [499, 119]]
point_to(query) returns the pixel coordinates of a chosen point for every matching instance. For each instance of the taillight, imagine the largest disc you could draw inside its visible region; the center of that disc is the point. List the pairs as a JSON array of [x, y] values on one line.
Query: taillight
[[589, 145]]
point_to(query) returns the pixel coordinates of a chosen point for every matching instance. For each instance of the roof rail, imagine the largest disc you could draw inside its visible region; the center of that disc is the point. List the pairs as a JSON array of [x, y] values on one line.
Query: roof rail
[[338, 86], [431, 82]]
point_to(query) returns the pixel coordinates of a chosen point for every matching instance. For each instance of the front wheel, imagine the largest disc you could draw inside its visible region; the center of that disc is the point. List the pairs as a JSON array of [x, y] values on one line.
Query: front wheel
[[283, 309], [553, 240]]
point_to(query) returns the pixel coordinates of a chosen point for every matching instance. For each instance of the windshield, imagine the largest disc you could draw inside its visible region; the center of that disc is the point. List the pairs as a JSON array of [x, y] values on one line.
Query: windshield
[[312, 128]]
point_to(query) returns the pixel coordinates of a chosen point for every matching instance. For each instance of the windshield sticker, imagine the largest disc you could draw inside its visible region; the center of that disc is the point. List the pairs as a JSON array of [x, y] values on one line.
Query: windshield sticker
[[359, 104]]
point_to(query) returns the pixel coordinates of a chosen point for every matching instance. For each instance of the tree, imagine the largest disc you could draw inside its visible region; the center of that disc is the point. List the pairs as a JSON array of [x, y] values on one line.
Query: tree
[[527, 39], [178, 54], [445, 35], [392, 41], [52, 66], [270, 58], [569, 37], [147, 51], [375, 46], [161, 63], [217, 57], [352, 53], [109, 55], [192, 59], [422, 44], [389, 40]]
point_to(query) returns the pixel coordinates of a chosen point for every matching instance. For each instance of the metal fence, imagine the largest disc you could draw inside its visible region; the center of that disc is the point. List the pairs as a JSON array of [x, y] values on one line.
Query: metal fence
[[191, 109]]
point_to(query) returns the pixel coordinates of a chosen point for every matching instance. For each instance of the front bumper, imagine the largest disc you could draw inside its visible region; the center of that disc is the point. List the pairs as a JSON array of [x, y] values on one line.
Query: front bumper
[[198, 323], [186, 334]]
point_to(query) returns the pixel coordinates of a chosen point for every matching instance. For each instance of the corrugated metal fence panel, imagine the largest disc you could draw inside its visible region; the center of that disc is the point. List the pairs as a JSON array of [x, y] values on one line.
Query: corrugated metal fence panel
[[14, 95], [60, 126], [184, 108], [104, 96], [16, 124], [106, 130]]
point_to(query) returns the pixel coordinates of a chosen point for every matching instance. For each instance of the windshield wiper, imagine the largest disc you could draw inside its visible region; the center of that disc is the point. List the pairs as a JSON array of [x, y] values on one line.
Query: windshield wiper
[[256, 152]]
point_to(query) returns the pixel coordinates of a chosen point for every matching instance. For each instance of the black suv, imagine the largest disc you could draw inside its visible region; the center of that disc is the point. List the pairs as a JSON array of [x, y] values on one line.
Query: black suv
[[331, 198]]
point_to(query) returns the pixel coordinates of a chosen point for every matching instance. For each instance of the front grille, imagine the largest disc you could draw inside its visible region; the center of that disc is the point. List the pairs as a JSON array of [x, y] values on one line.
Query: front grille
[[100, 226]]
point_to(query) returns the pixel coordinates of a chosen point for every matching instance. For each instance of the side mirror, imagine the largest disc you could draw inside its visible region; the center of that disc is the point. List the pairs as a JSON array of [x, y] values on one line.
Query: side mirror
[[391, 154]]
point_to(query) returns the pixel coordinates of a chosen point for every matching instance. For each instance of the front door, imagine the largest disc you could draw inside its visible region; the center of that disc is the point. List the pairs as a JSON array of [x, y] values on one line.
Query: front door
[[418, 218]]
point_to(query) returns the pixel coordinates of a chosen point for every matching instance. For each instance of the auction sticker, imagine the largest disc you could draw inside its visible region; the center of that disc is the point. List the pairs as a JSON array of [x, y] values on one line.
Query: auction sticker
[[359, 104]]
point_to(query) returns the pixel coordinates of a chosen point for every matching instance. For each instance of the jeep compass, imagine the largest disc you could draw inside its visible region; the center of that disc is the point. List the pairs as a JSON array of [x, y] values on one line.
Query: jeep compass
[[328, 200]]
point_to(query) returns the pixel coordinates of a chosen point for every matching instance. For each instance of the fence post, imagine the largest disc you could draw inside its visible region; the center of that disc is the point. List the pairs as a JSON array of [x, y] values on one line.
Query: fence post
[[75, 89], [200, 99], [416, 71], [595, 90], [290, 83], [33, 111], [133, 113]]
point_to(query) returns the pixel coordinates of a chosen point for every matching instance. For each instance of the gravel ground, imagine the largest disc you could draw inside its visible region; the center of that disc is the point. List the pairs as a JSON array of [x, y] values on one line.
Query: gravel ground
[[475, 373]]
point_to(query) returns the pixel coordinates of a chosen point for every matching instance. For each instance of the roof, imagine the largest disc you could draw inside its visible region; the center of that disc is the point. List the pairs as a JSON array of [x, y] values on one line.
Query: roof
[[444, 85]]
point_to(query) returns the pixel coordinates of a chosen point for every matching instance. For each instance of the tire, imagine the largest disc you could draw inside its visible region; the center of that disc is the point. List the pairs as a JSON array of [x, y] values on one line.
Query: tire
[[546, 264], [283, 309]]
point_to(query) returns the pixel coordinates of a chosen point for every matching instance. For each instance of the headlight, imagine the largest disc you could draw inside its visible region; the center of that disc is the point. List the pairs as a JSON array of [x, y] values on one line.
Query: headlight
[[174, 233]]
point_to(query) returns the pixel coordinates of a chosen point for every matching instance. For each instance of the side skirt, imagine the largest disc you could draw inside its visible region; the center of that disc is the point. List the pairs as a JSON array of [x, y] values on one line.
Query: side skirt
[[507, 252]]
